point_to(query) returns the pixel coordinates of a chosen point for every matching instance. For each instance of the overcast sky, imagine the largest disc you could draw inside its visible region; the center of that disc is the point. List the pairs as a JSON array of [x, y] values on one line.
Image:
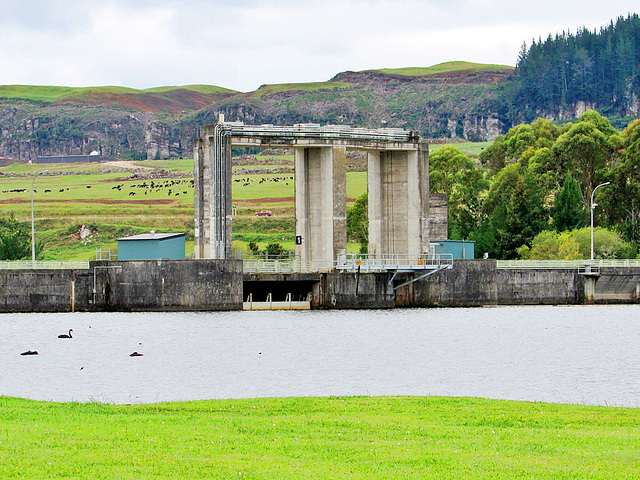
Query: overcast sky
[[241, 44]]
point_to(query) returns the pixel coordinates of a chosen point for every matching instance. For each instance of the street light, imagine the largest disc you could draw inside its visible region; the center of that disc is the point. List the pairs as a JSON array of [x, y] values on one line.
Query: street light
[[33, 229], [593, 207]]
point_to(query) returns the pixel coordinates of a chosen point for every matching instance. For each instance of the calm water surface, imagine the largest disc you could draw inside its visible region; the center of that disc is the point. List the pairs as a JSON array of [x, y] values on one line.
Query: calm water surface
[[585, 355]]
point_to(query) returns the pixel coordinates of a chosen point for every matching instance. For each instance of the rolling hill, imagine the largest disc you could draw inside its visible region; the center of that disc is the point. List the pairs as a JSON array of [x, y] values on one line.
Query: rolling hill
[[454, 99]]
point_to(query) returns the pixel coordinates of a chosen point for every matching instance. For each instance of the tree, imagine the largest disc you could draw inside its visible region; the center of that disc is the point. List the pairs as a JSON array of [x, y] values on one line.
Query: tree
[[621, 203], [513, 213], [576, 245], [15, 239], [520, 144], [493, 158], [526, 216], [550, 245], [358, 222], [600, 68], [275, 250], [569, 210], [254, 247], [455, 174], [584, 151]]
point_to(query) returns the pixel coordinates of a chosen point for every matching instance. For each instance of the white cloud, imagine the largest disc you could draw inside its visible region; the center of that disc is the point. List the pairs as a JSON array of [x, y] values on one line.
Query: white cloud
[[242, 44]]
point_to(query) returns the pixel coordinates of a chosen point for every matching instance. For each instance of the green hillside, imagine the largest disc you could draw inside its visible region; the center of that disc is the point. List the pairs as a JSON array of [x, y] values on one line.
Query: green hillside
[[50, 94], [303, 87], [161, 122], [445, 67]]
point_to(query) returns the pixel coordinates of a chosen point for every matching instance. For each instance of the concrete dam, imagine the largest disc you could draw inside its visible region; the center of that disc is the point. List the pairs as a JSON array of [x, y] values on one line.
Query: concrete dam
[[400, 270], [193, 285]]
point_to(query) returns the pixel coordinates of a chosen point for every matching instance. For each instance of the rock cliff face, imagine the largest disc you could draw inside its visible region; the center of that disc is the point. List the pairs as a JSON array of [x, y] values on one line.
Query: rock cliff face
[[29, 130], [455, 104], [459, 104]]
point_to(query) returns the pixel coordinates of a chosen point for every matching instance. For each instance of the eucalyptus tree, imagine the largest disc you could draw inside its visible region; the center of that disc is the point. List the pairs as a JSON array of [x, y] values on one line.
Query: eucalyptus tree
[[454, 173]]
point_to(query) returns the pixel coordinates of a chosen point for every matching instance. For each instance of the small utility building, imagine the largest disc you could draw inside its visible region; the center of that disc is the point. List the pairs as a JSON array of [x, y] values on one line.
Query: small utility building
[[152, 246], [460, 249]]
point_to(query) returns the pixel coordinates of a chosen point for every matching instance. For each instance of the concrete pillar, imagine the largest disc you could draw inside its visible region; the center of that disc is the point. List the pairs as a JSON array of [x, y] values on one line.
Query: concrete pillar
[[212, 201], [398, 185], [424, 213], [201, 221], [321, 214], [590, 288], [374, 201]]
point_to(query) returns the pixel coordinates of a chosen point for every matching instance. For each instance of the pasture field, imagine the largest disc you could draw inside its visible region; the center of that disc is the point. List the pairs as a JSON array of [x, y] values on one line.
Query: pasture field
[[117, 199], [472, 149], [330, 438], [446, 67]]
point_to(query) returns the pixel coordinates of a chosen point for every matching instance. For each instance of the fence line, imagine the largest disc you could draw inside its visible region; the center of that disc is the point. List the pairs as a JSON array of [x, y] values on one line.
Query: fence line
[[350, 262], [43, 264], [567, 264]]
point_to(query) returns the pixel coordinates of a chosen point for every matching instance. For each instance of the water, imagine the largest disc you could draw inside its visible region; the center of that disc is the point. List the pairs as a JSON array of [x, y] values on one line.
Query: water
[[586, 355]]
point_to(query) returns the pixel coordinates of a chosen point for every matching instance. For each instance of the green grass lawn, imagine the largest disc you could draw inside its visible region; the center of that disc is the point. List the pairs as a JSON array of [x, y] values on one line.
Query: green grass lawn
[[328, 438]]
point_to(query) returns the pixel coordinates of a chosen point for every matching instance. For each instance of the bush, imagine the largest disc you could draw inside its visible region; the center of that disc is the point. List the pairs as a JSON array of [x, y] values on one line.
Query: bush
[[576, 245], [15, 239]]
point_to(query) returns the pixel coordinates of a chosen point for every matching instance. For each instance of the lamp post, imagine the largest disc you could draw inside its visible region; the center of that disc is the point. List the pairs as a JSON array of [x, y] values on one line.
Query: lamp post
[[33, 229], [593, 207]]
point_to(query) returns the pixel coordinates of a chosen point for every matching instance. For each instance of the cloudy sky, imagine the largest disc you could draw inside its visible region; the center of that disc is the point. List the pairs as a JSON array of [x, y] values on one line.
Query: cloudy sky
[[241, 44]]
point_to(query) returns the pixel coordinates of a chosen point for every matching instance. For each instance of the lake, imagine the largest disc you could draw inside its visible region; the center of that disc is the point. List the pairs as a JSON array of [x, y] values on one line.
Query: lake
[[561, 354]]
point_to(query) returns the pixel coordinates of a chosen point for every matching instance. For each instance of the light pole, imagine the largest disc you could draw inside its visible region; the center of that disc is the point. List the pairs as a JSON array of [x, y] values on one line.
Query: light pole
[[33, 229], [593, 207]]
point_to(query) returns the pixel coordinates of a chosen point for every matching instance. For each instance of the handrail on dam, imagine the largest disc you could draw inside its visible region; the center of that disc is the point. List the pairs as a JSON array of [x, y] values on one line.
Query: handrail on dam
[[282, 266], [568, 264], [353, 263], [43, 265], [382, 263]]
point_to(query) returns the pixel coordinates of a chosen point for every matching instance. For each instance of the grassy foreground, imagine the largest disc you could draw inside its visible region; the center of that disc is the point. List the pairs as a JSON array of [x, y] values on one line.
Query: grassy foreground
[[333, 438]]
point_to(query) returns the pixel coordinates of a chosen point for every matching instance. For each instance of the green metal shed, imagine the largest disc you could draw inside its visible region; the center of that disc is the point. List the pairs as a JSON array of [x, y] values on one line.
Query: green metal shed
[[152, 246], [460, 249]]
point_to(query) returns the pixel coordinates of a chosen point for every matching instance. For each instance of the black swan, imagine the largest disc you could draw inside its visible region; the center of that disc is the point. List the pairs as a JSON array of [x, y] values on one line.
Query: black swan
[[30, 352], [136, 354], [64, 335]]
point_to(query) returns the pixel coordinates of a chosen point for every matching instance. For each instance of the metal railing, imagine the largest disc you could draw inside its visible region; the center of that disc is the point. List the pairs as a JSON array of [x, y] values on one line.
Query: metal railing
[[382, 263], [105, 255], [43, 264], [567, 264], [253, 265], [350, 262], [313, 130]]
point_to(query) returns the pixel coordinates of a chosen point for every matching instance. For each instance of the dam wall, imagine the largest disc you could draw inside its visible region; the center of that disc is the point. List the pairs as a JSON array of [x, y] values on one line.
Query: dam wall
[[470, 283], [125, 286], [221, 285]]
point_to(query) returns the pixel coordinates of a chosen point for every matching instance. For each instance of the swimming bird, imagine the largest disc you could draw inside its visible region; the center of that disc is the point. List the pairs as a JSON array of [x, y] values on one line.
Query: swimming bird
[[30, 352], [136, 354], [64, 335]]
